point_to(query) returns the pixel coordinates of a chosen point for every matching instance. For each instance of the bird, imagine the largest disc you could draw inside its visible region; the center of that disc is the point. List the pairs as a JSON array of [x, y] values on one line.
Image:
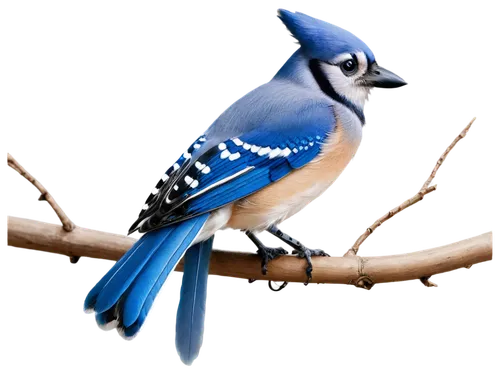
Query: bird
[[265, 158]]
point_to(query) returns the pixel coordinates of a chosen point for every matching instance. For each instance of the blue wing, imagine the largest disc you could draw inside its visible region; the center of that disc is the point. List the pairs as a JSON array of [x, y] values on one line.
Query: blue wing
[[205, 179]]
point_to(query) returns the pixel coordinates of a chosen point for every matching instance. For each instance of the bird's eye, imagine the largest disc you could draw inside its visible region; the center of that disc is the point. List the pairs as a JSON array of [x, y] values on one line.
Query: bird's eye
[[349, 67]]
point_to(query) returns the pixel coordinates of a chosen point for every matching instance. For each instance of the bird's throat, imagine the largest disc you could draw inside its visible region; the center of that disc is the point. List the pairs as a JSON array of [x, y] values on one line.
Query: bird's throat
[[325, 86]]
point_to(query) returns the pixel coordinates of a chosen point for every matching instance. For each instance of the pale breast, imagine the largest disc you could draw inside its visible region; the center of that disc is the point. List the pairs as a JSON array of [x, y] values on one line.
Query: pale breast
[[284, 198]]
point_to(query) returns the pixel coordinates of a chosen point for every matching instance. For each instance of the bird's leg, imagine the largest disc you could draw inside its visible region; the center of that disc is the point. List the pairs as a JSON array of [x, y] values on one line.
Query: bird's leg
[[266, 253], [299, 249]]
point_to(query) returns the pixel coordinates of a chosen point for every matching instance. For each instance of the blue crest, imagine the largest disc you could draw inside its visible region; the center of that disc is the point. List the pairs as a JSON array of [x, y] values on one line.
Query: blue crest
[[320, 39]]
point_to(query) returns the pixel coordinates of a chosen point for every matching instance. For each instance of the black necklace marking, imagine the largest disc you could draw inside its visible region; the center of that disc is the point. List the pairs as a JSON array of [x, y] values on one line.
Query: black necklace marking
[[326, 87]]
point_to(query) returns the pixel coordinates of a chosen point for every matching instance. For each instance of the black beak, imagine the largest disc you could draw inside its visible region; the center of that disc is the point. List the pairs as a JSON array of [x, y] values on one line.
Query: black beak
[[380, 77]]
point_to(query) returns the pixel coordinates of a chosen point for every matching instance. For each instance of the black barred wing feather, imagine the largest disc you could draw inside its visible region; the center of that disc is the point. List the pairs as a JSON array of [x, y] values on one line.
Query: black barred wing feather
[[207, 178], [223, 174], [168, 182]]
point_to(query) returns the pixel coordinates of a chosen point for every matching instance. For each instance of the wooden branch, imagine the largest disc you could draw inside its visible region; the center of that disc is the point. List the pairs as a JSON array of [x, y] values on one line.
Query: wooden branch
[[349, 269], [67, 224], [353, 251], [359, 271]]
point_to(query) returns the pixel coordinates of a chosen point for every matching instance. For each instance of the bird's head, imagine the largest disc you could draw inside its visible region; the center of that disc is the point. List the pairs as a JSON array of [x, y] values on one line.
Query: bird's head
[[341, 63]]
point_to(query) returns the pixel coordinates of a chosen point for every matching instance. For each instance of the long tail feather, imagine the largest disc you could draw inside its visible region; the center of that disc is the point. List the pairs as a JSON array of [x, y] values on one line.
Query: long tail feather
[[191, 311], [155, 272], [124, 296]]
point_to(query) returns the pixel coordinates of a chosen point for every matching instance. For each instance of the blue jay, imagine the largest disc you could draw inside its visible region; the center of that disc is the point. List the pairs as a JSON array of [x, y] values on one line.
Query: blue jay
[[263, 160]]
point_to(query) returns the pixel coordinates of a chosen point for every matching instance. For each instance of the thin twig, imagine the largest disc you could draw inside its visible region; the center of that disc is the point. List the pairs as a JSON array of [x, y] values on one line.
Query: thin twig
[[425, 189], [67, 224], [410, 202], [445, 154]]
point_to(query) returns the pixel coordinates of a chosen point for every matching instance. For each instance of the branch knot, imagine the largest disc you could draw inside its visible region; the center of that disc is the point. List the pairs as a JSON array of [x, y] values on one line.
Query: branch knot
[[364, 282]]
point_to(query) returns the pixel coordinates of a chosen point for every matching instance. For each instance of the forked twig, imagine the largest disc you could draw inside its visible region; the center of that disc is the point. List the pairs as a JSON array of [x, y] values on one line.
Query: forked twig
[[425, 189], [67, 224]]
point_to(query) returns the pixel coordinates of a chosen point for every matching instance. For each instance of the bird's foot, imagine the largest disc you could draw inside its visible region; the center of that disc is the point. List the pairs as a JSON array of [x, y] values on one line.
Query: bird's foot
[[268, 253], [298, 248], [307, 253]]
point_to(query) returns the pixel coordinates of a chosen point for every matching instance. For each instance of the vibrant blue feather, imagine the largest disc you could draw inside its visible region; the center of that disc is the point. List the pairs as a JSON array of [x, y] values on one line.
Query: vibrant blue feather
[[123, 277], [193, 149], [320, 39], [103, 319], [304, 144], [278, 115], [156, 271], [91, 298], [241, 187], [127, 292], [191, 311], [279, 172]]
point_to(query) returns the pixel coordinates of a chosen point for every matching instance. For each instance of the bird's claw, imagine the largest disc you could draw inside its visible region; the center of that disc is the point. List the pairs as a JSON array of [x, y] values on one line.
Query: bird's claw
[[279, 288], [269, 253], [307, 253]]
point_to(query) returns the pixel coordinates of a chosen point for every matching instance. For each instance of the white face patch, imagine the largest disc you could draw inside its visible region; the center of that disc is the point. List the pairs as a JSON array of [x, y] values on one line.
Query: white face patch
[[347, 86], [341, 58]]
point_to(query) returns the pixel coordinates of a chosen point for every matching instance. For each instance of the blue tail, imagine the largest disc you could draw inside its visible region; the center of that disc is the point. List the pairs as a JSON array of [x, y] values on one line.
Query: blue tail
[[191, 311], [126, 293]]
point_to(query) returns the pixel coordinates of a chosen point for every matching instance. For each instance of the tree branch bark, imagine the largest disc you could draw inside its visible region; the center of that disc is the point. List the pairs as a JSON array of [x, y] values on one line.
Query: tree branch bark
[[359, 271], [363, 272]]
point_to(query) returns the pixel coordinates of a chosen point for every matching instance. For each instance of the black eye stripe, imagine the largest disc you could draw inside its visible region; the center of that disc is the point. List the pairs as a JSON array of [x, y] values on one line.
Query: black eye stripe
[[327, 88]]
